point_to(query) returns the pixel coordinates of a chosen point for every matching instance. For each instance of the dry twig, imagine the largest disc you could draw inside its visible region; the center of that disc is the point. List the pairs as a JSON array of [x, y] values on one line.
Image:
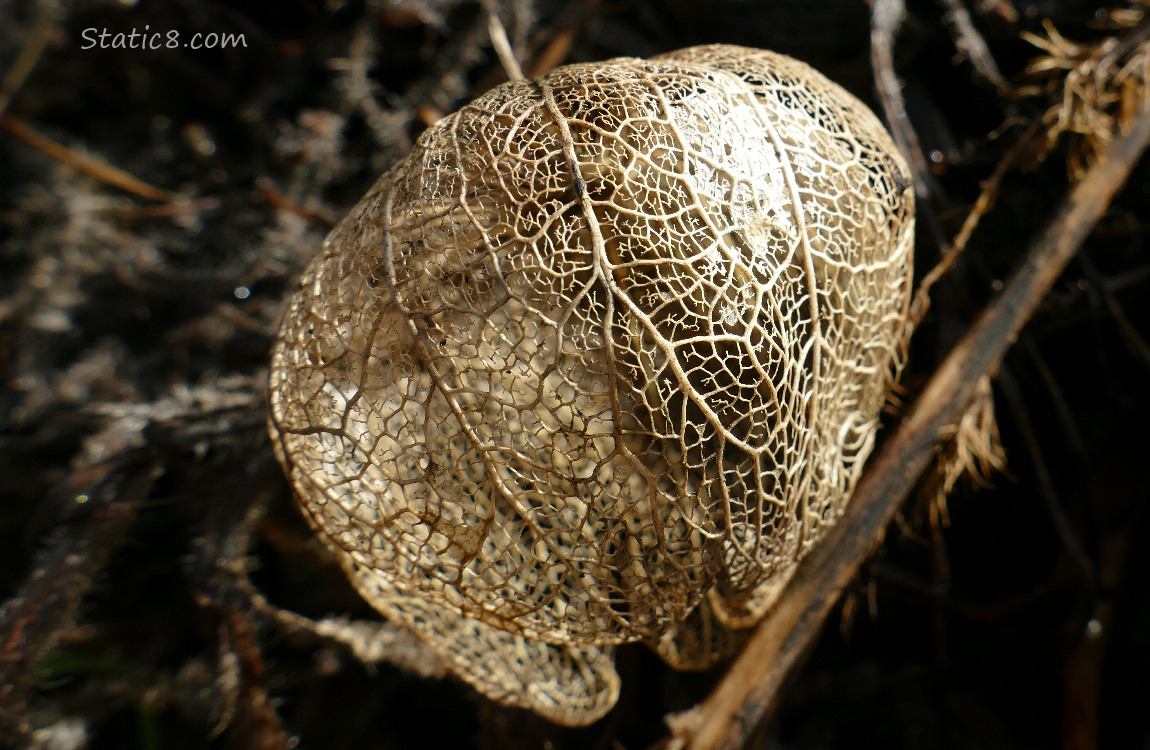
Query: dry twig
[[986, 198], [971, 44], [92, 167], [886, 18], [501, 44], [29, 55], [1095, 89]]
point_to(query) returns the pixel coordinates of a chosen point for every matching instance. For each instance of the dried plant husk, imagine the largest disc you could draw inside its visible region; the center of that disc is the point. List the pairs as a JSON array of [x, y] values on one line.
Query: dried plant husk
[[599, 362]]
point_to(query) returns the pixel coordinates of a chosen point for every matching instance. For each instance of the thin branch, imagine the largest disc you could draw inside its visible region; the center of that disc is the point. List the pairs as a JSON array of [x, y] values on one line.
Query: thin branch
[[92, 167], [1070, 427], [371, 641], [1136, 344], [502, 46], [986, 198], [276, 199], [1047, 487], [29, 55], [750, 689], [970, 43], [561, 36], [886, 19]]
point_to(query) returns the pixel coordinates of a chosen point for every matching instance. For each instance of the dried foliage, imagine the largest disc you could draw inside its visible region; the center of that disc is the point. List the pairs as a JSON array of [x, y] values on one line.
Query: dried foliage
[[1096, 87], [159, 586], [605, 345]]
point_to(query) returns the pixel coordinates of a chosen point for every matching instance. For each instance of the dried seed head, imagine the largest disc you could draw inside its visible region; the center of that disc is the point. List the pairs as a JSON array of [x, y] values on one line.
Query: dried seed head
[[599, 362]]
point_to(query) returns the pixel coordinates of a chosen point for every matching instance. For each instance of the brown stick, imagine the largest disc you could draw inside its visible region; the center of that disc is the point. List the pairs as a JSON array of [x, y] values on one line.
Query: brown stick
[[93, 167], [501, 44], [970, 43], [29, 55], [750, 689], [986, 198], [886, 18]]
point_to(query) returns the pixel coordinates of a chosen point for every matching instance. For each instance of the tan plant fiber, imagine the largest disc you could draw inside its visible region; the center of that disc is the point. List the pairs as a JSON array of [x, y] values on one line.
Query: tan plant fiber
[[599, 362]]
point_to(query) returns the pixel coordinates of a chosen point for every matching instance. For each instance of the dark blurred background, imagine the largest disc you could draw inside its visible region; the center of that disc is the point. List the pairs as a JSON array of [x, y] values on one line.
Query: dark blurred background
[[137, 482]]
